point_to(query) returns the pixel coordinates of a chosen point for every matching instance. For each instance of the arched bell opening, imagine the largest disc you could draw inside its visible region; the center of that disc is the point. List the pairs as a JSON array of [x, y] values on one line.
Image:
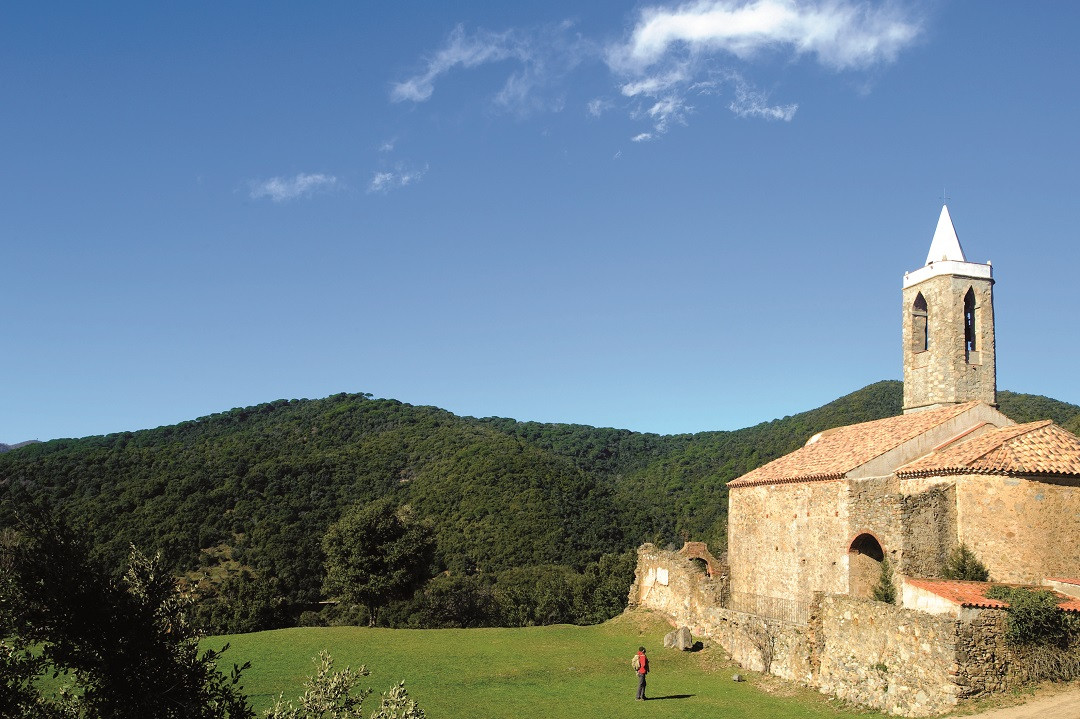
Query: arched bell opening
[[920, 325]]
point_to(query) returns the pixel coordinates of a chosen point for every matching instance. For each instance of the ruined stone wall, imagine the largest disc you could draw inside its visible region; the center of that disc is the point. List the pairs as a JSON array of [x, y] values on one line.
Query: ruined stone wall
[[764, 645], [886, 657], [897, 660], [1023, 530], [669, 583], [945, 372], [928, 519], [788, 540]]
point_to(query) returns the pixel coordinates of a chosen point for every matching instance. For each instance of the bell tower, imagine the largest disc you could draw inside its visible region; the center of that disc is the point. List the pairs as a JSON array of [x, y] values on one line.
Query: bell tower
[[948, 327]]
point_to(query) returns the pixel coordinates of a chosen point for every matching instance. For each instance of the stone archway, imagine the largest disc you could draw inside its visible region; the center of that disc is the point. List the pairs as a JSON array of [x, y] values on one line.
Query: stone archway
[[698, 553], [864, 565]]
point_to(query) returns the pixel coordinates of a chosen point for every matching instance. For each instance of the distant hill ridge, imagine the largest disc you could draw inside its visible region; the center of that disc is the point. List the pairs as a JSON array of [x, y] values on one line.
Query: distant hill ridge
[[265, 481], [9, 447]]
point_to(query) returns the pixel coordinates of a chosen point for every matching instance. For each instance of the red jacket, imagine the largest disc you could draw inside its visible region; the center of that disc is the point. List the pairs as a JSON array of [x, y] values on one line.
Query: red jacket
[[643, 663]]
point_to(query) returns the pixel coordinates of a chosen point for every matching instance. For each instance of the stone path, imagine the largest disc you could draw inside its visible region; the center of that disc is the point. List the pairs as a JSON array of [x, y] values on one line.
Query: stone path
[[1060, 706]]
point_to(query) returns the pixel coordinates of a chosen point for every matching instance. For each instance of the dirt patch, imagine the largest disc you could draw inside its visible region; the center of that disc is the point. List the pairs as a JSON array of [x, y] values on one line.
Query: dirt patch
[[1060, 701]]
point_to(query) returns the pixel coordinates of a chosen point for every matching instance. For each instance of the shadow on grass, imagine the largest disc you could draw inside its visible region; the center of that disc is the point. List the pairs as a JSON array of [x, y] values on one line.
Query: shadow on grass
[[671, 696]]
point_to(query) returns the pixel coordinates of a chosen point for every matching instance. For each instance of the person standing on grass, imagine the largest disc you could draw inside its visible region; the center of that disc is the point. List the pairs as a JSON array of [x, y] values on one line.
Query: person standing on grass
[[641, 666]]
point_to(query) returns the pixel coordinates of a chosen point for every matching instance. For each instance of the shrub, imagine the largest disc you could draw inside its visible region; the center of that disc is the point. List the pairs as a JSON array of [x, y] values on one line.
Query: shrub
[[885, 590], [1034, 617], [336, 695], [963, 564]]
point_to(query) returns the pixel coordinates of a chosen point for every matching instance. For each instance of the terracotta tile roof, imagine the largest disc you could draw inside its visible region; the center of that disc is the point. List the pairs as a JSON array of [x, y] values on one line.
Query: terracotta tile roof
[[835, 452], [973, 594], [966, 594], [1033, 448]]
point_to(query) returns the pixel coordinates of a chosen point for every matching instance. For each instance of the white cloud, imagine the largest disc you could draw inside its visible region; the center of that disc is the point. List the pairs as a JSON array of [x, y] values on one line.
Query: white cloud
[[394, 179], [643, 137], [840, 34], [283, 189], [388, 146], [674, 52]]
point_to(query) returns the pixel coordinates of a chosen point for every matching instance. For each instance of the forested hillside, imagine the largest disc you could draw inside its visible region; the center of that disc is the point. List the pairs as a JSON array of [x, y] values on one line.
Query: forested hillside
[[259, 486]]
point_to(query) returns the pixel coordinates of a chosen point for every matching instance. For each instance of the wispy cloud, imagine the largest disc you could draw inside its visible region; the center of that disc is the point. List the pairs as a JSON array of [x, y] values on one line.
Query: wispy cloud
[[752, 103], [460, 50], [597, 106], [283, 189], [384, 181], [672, 56], [540, 58]]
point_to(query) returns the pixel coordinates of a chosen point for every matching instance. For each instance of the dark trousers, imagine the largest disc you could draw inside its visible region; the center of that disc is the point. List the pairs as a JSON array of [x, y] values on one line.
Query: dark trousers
[[641, 685]]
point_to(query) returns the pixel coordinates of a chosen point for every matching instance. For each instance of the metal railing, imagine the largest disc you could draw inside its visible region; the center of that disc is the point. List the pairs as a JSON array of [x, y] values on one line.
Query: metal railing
[[785, 610]]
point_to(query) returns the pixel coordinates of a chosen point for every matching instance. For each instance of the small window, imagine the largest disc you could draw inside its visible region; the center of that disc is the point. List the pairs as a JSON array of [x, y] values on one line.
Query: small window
[[920, 326]]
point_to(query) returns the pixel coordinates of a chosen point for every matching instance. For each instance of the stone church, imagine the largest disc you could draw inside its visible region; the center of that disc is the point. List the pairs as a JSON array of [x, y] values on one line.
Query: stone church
[[951, 469]]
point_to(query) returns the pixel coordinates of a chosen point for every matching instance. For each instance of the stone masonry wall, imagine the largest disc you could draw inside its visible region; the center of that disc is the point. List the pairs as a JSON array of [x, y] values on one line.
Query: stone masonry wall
[[1022, 529], [792, 540], [886, 657], [929, 526], [788, 540], [873, 507], [983, 659]]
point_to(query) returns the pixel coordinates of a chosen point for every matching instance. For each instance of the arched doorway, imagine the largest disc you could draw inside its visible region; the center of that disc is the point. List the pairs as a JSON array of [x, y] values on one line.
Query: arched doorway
[[864, 565]]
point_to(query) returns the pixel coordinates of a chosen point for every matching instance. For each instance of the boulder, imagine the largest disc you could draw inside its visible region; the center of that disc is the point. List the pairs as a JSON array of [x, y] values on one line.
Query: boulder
[[683, 639], [669, 640]]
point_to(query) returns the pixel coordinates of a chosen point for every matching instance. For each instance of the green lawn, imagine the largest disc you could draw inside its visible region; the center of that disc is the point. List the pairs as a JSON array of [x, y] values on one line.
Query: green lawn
[[541, 672]]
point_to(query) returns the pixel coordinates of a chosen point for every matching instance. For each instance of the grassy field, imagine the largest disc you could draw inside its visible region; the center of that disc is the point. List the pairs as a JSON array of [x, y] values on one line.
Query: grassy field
[[538, 672]]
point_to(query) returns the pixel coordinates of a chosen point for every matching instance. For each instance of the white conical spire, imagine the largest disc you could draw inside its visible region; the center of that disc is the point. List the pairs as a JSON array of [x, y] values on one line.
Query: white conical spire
[[946, 245]]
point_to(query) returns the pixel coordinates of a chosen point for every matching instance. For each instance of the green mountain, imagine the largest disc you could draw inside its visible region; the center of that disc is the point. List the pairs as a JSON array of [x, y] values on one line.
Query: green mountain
[[259, 485]]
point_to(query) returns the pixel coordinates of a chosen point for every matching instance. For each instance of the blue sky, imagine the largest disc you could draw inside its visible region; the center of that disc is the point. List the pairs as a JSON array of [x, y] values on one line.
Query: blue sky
[[664, 217]]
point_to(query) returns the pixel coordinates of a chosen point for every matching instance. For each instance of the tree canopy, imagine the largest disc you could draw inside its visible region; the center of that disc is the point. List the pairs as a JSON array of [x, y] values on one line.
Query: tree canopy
[[377, 553]]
